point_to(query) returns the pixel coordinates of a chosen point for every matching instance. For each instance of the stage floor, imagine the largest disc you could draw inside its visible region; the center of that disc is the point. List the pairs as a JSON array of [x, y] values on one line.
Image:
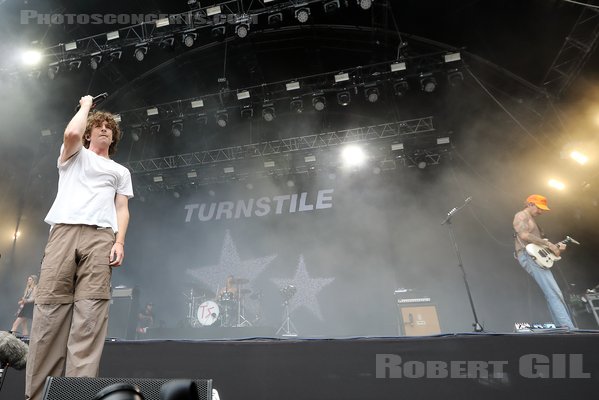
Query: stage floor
[[552, 365]]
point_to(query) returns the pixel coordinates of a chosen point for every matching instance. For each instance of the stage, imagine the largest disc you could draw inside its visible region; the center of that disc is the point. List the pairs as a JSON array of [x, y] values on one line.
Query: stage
[[552, 365]]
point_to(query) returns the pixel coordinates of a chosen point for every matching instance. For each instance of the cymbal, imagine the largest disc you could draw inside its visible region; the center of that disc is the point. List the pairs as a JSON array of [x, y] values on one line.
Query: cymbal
[[240, 281]]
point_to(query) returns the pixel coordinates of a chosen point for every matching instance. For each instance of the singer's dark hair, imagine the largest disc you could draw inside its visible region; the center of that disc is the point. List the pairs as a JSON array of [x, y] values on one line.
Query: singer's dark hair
[[97, 118]]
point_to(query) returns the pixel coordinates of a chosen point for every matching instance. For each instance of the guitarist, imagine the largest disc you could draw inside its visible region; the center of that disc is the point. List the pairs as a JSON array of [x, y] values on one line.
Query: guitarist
[[527, 231], [25, 311]]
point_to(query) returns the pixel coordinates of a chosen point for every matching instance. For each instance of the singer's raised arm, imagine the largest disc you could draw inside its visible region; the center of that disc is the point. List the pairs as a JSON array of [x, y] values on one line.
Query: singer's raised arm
[[75, 129]]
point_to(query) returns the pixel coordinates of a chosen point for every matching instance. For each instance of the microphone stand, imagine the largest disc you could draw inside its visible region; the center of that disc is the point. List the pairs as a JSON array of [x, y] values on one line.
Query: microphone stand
[[477, 326]]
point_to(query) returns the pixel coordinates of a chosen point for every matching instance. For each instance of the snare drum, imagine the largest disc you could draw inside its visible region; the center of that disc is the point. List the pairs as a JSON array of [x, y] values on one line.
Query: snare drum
[[208, 313]]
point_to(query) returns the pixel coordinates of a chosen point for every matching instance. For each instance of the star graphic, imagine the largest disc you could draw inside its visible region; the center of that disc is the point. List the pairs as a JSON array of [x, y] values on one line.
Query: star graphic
[[215, 276], [307, 288]]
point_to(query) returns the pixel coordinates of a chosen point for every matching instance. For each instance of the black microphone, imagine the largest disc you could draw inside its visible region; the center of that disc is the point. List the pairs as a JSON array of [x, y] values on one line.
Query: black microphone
[[95, 101], [13, 351]]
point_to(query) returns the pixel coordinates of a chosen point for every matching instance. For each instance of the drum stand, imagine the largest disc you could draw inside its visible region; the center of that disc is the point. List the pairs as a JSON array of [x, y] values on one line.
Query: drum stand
[[190, 319], [287, 328], [241, 319]]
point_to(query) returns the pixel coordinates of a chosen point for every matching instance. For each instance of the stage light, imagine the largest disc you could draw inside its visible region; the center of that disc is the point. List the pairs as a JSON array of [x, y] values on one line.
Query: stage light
[[53, 71], [247, 112], [70, 46], [154, 128], [428, 83], [341, 77], [365, 4], [244, 94], [115, 55], [95, 61], [73, 65], [218, 33], [222, 118], [162, 22], [310, 159], [396, 146], [343, 98], [319, 103], [167, 43], [554, 183], [157, 179], [579, 157], [398, 66], [136, 134], [451, 57], [117, 118], [331, 6], [401, 88], [443, 140], [297, 106], [275, 18], [112, 35], [455, 78], [292, 86], [192, 174], [372, 94], [302, 14], [269, 164], [421, 164], [228, 170], [177, 128], [189, 39], [242, 30], [268, 112], [152, 111], [31, 57], [353, 156], [213, 11], [46, 132], [201, 119]]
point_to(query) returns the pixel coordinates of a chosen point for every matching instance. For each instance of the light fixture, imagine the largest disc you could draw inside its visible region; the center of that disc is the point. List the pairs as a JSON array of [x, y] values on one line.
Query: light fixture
[[421, 164], [177, 127], [292, 85], [95, 61], [140, 53], [31, 57], [400, 88], [398, 66], [53, 70], [247, 112], [115, 55], [192, 174], [157, 178], [297, 105], [396, 146], [197, 103], [244, 94], [319, 103], [228, 170], [268, 112], [210, 11], [269, 164], [579, 157], [428, 83], [455, 78], [70, 46], [117, 118], [201, 119], [275, 18], [331, 6], [310, 158], [112, 35], [353, 156], [364, 4], [222, 118], [189, 39], [302, 14], [218, 33], [242, 30], [343, 98], [451, 57], [136, 134], [155, 128], [162, 22], [554, 183], [372, 94], [443, 140], [152, 111], [73, 65], [167, 43], [341, 77], [46, 132]]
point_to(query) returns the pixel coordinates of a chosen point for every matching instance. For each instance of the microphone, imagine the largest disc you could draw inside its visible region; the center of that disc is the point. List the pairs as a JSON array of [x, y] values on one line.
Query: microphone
[[13, 352], [95, 101]]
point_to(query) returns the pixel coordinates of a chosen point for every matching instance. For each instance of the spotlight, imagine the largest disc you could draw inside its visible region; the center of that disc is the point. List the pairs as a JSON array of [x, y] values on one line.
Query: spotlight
[[95, 61], [154, 128], [53, 71], [319, 103], [353, 156], [218, 33], [189, 39], [331, 6], [177, 128], [222, 118], [401, 88], [428, 83], [343, 98], [302, 15], [73, 65], [297, 106], [372, 94], [115, 55], [275, 19], [242, 30], [421, 164], [268, 112], [455, 78], [31, 57], [247, 112], [167, 43], [136, 134], [364, 4]]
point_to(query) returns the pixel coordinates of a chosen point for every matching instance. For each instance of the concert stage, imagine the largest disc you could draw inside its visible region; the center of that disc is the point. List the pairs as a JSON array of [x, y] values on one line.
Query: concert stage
[[458, 366]]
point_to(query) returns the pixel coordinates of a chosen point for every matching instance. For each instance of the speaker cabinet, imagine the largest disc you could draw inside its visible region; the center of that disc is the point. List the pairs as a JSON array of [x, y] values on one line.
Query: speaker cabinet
[[61, 388], [419, 320], [122, 317]]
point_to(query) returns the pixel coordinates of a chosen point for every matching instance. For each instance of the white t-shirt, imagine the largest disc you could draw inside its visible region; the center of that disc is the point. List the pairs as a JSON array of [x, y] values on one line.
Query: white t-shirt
[[87, 186]]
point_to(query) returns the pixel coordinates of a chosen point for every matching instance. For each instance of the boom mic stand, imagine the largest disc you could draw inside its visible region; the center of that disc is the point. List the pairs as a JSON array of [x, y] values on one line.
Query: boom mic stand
[[477, 326]]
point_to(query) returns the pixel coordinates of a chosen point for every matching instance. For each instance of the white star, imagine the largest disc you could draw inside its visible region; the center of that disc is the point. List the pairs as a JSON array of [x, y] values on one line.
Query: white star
[[215, 276], [307, 288]]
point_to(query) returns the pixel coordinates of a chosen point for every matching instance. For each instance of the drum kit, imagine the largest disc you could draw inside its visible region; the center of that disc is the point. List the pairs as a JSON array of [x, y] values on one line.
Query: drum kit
[[226, 310]]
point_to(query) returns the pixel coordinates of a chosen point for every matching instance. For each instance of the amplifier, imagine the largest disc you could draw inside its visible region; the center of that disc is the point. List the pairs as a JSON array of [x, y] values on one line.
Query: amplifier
[[122, 317]]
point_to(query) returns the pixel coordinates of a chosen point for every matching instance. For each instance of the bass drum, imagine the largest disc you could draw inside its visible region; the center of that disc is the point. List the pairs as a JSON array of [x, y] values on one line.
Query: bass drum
[[208, 313]]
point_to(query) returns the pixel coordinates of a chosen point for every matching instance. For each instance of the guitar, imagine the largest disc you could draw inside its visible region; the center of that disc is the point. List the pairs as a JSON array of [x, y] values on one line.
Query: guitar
[[20, 309], [543, 256]]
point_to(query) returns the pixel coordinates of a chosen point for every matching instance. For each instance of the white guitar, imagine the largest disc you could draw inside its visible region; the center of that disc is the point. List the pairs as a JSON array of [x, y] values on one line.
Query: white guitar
[[543, 256]]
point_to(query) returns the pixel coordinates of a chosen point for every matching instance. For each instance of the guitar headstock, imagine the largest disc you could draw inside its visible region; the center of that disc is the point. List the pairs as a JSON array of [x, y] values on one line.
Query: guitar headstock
[[571, 240]]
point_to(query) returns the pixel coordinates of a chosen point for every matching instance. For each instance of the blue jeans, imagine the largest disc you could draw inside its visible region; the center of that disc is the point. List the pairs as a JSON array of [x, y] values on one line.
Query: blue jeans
[[553, 294]]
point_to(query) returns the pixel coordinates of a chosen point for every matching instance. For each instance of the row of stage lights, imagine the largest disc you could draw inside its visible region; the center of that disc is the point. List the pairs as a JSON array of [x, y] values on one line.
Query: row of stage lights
[[188, 37]]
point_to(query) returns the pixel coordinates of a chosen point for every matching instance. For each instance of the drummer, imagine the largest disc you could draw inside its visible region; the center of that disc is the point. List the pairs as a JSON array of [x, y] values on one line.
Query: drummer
[[229, 290]]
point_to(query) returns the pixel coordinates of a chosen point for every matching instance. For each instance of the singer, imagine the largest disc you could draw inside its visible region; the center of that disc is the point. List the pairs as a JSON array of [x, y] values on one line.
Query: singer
[[527, 231], [88, 219]]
